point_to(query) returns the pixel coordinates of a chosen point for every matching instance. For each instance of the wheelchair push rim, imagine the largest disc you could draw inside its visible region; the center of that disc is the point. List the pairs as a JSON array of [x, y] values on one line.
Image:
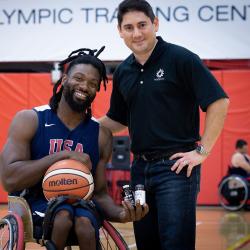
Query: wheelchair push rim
[[243, 185], [111, 239], [11, 232]]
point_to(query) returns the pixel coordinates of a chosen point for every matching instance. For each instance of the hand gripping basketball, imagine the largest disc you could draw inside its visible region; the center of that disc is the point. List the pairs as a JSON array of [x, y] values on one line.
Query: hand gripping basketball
[[68, 178]]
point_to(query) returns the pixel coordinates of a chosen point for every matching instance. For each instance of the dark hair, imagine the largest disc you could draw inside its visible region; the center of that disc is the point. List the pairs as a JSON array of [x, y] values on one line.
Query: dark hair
[[134, 5], [240, 143], [79, 57]]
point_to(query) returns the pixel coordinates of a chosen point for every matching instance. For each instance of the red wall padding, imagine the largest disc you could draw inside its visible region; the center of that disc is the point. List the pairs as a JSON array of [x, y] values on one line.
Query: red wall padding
[[19, 91], [211, 168], [101, 103]]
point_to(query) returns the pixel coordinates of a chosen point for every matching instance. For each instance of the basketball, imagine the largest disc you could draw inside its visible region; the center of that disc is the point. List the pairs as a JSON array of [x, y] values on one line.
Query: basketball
[[68, 177]]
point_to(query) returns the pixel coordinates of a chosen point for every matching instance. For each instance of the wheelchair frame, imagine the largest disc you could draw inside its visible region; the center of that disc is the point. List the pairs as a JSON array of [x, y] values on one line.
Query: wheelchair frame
[[20, 229], [236, 182]]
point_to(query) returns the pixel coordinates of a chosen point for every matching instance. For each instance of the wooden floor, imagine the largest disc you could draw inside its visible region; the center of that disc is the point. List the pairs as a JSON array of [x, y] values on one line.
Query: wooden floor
[[217, 229]]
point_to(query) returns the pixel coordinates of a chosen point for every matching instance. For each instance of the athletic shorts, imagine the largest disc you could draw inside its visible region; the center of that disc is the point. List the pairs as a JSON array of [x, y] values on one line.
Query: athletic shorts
[[38, 208]]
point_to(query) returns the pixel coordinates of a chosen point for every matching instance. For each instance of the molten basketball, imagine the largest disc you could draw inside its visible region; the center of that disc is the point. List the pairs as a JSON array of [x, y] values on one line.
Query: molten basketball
[[68, 177]]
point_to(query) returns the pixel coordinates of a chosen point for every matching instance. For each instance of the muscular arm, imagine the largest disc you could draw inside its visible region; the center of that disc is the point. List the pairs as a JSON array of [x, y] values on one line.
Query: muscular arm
[[112, 125], [215, 117], [18, 171], [111, 210]]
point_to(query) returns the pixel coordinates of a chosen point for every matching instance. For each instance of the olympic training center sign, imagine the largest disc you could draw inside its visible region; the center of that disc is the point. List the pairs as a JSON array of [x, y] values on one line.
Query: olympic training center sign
[[48, 30]]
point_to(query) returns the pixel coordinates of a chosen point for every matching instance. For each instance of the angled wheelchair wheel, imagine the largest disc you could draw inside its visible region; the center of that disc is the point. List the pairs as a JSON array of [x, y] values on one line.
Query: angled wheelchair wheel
[[11, 232], [110, 238], [233, 192]]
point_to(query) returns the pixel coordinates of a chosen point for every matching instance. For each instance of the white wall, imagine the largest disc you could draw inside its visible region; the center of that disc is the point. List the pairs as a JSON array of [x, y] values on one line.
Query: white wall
[[48, 30]]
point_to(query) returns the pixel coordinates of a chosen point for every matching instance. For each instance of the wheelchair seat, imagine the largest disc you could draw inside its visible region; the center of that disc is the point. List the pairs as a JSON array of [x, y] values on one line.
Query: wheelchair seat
[[16, 229], [234, 192]]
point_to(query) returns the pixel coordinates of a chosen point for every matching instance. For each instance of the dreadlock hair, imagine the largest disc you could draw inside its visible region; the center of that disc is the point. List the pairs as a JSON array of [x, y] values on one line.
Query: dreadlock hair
[[76, 57]]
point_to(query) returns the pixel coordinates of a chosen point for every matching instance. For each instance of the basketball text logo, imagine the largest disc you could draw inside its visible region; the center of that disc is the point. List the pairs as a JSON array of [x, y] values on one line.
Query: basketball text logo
[[63, 181]]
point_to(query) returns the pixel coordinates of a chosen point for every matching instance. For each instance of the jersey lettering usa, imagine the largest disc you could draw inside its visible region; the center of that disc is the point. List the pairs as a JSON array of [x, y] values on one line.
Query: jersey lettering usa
[[53, 136]]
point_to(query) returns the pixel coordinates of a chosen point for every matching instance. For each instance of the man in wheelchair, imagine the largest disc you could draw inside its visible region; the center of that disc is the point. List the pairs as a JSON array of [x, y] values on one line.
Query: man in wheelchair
[[240, 160], [234, 187], [64, 129]]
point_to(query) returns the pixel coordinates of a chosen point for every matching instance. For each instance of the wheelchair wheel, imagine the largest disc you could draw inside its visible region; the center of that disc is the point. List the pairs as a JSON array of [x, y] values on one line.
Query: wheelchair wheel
[[110, 238], [11, 232], [233, 192]]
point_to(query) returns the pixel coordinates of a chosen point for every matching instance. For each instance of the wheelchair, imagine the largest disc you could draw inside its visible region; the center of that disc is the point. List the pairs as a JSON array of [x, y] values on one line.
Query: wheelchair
[[234, 192], [16, 229]]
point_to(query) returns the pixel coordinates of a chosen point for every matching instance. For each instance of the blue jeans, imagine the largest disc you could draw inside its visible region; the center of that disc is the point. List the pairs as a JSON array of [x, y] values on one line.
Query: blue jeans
[[171, 221]]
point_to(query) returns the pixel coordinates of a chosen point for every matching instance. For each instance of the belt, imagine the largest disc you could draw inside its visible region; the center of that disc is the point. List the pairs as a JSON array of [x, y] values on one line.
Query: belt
[[161, 155]]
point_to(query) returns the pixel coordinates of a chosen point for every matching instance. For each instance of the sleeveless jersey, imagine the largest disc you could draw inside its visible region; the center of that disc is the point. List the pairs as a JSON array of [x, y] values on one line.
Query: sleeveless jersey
[[238, 170], [53, 136]]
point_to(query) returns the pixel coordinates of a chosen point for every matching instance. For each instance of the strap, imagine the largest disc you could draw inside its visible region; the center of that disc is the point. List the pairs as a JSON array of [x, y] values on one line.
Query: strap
[[54, 203], [49, 213]]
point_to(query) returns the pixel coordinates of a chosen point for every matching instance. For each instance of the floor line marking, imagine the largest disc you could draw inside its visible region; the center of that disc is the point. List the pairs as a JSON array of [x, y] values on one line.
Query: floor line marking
[[241, 242]]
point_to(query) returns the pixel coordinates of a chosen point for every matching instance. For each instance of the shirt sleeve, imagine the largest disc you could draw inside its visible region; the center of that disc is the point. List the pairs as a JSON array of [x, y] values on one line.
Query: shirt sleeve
[[118, 108], [204, 85]]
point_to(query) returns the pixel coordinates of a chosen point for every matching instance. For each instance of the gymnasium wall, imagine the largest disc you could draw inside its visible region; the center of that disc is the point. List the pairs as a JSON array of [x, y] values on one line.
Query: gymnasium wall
[[21, 91]]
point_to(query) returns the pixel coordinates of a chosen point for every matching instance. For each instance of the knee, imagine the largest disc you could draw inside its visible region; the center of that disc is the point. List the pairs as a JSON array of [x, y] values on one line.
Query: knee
[[84, 228], [63, 217]]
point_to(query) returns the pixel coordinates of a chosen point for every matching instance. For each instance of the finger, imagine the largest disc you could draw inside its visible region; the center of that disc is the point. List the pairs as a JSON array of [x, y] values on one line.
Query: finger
[[127, 210], [145, 209], [87, 160], [177, 155], [189, 170], [179, 169], [181, 166], [131, 210], [138, 210], [89, 164], [175, 166]]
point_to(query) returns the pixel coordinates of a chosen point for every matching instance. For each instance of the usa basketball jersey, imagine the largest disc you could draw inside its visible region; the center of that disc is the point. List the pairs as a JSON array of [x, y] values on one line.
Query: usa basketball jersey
[[53, 136]]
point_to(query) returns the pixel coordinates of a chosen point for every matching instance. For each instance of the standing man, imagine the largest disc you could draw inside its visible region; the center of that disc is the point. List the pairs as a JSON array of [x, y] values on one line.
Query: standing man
[[157, 92], [64, 129]]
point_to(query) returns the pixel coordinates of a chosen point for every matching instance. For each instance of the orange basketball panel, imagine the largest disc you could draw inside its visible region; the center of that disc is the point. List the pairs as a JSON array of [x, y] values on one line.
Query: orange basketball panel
[[70, 164]]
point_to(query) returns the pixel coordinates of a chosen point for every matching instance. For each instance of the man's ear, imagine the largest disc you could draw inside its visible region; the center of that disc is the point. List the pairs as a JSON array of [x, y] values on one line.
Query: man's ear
[[156, 24], [119, 30], [64, 78]]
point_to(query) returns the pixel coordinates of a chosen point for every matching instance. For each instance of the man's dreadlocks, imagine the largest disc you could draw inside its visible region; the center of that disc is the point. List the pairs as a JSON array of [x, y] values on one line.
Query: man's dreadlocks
[[76, 57]]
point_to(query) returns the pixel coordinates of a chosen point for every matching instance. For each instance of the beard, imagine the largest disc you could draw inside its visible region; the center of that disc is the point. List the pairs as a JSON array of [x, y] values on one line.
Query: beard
[[76, 104]]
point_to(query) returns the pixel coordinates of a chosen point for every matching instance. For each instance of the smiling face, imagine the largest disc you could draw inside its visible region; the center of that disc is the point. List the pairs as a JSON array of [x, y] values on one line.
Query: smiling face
[[80, 86], [138, 32]]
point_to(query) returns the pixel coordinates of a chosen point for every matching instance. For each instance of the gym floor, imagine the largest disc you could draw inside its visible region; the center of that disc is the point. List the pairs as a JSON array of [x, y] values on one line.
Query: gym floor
[[217, 229]]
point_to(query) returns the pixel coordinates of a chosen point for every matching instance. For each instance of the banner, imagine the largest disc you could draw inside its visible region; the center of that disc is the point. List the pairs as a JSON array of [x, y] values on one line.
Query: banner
[[48, 30]]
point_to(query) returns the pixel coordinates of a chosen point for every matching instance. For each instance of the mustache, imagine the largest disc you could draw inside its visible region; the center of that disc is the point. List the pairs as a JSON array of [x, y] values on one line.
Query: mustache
[[77, 105]]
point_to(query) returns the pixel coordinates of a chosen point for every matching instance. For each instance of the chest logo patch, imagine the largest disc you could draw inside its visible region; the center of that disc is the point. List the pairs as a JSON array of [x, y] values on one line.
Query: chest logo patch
[[49, 125], [160, 75]]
